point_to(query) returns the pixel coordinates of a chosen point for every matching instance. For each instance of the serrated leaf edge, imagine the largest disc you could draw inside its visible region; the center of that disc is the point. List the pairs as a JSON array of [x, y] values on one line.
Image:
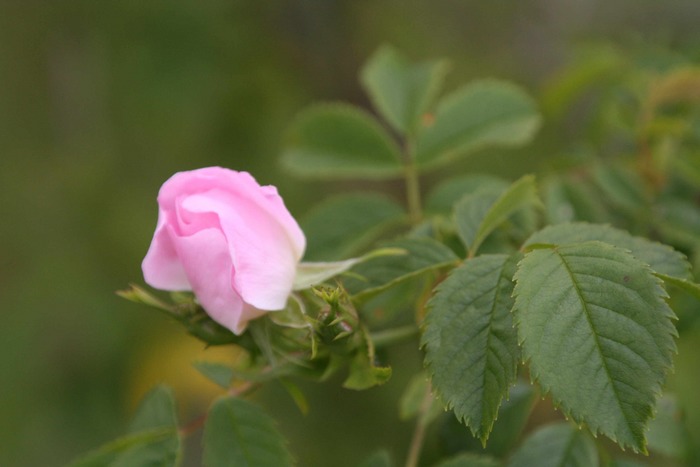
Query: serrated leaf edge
[[483, 432], [657, 391]]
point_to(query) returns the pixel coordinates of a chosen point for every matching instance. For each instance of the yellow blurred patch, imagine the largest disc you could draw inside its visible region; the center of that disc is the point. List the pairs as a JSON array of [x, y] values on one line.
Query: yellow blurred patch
[[168, 359]]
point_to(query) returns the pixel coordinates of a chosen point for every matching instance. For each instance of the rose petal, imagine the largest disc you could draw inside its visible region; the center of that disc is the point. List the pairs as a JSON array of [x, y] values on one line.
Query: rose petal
[[263, 258], [205, 257], [161, 267]]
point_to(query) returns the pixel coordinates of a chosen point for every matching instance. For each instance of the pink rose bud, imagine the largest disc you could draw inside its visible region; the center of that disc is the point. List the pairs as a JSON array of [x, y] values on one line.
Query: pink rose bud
[[229, 240]]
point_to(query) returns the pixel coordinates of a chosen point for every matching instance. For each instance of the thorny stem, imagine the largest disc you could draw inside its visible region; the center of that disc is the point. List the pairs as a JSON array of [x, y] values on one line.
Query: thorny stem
[[419, 431]]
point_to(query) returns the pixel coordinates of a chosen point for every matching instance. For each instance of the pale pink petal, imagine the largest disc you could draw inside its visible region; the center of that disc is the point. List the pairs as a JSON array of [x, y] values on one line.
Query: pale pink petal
[[161, 267], [208, 264], [229, 240], [263, 258]]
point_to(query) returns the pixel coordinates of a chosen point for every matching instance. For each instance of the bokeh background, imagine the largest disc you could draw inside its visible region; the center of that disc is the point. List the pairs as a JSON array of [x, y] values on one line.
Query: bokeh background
[[100, 102]]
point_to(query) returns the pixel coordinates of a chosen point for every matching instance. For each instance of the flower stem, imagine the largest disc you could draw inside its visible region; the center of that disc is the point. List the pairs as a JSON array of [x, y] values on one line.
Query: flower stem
[[393, 336], [415, 211], [419, 431]]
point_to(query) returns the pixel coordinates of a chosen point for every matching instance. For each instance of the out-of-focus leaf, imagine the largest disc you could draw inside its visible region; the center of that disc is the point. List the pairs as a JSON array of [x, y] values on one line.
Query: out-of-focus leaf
[[414, 397], [422, 254], [444, 196], [297, 395], [469, 213], [507, 430], [623, 187], [342, 225], [684, 284], [479, 115], [626, 463], [667, 434], [662, 258], [591, 68], [569, 200], [511, 419], [556, 445], [340, 141], [400, 90], [153, 439], [364, 374], [309, 274], [471, 345], [156, 410], [379, 458], [240, 433], [217, 373], [148, 448], [469, 460], [679, 222], [681, 85], [592, 319], [473, 231]]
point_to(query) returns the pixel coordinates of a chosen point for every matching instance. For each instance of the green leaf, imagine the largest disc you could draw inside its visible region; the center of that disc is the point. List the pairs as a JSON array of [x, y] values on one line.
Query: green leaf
[[592, 320], [595, 66], [507, 430], [678, 221], [218, 373], [470, 212], [471, 345], [241, 434], [422, 254], [342, 225], [623, 187], [469, 460], [379, 458], [444, 196], [413, 398], [662, 258], [479, 115], [568, 200], [400, 90], [297, 395], [151, 448], [684, 284], [480, 214], [626, 463], [156, 410], [667, 434], [512, 417], [153, 439], [310, 274], [340, 141], [557, 445], [364, 374]]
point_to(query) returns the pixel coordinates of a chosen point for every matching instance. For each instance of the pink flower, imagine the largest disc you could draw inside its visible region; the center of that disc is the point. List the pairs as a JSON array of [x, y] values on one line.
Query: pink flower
[[229, 240]]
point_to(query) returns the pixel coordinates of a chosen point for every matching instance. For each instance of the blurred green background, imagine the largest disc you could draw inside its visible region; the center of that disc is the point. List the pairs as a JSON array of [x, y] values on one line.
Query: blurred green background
[[100, 102]]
